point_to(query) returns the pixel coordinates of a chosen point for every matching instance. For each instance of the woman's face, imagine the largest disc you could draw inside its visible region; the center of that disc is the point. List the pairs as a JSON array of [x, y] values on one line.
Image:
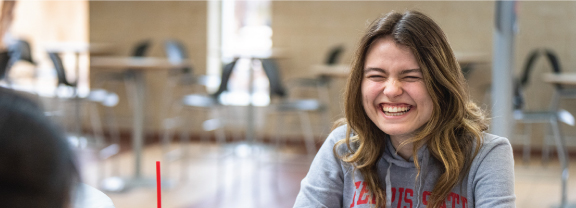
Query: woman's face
[[393, 90]]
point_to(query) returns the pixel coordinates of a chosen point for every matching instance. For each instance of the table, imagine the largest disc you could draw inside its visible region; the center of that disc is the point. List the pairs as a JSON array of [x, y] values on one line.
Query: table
[[335, 71], [562, 93], [135, 67]]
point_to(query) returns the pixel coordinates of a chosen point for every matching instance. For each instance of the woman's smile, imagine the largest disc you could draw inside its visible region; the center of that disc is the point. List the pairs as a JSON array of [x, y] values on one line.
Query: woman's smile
[[393, 111]]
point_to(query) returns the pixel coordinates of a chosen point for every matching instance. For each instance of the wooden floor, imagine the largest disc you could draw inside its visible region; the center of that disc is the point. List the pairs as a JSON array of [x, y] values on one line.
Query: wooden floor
[[235, 177]]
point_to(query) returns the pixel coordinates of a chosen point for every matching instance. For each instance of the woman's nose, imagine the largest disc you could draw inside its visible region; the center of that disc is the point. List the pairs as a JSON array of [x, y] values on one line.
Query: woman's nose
[[392, 88]]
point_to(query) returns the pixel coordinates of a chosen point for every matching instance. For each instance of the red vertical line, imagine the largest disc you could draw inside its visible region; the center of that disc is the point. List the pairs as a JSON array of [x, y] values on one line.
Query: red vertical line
[[158, 185]]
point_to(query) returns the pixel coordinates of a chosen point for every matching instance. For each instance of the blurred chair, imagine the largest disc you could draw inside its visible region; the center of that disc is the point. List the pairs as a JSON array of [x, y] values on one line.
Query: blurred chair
[[21, 51], [139, 50], [176, 117], [4, 64], [551, 116], [185, 77], [176, 53], [182, 79], [321, 83], [286, 105], [332, 59], [18, 51], [334, 55], [68, 91]]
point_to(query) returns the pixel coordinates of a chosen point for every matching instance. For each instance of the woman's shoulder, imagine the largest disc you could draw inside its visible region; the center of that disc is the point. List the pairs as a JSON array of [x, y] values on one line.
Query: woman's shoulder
[[491, 140], [494, 145], [339, 134]]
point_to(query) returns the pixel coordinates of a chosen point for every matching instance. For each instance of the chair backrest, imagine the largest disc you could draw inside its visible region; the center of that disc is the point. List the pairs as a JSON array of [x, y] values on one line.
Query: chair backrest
[[273, 74], [524, 79], [176, 52], [225, 77], [18, 51], [141, 48], [21, 51], [60, 71], [334, 55]]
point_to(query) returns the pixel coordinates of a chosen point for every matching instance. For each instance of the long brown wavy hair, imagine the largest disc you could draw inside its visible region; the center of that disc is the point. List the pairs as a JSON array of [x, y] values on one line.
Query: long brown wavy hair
[[453, 134]]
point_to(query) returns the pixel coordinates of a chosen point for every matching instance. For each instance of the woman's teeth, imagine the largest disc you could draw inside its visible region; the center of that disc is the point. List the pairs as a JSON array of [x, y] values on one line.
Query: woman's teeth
[[395, 111]]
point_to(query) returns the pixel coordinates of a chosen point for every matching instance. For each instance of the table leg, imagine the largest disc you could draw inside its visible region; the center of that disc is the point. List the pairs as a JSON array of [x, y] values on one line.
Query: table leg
[[119, 184], [250, 126], [138, 122]]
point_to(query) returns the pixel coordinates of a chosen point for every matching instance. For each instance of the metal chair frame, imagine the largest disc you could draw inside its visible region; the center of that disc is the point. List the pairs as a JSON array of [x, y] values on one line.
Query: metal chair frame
[[175, 117], [294, 105], [552, 116], [95, 96]]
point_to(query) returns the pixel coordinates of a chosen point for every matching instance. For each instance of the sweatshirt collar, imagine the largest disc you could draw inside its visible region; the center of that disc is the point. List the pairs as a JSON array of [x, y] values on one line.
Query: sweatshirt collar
[[392, 157]]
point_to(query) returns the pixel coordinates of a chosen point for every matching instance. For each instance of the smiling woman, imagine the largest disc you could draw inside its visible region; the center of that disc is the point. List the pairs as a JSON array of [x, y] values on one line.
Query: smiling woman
[[395, 95], [411, 136]]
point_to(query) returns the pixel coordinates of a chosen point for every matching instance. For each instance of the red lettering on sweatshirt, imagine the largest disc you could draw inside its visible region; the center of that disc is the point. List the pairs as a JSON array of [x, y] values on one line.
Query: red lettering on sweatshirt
[[424, 199], [455, 198], [352, 205], [406, 199], [401, 191], [362, 193], [357, 184]]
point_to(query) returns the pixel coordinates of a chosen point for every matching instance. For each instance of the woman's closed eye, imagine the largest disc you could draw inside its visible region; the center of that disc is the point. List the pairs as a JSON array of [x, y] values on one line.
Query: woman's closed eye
[[412, 78], [376, 76]]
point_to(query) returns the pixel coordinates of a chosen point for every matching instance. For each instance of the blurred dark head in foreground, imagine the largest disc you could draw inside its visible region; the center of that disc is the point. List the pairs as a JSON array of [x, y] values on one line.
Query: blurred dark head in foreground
[[37, 167]]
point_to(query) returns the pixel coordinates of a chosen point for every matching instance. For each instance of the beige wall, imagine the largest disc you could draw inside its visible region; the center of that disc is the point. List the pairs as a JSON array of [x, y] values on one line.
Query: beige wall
[[308, 29], [125, 23]]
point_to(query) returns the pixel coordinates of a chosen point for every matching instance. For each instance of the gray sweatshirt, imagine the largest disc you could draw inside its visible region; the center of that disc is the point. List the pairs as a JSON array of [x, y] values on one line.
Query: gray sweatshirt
[[332, 183]]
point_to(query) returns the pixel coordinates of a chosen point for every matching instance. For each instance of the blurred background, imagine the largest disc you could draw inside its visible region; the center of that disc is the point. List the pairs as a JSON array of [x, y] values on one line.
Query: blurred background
[[235, 97]]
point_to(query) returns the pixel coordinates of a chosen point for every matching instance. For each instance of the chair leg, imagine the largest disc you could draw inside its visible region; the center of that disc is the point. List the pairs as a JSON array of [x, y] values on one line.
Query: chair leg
[[184, 147], [562, 156], [308, 134], [324, 96], [546, 147], [170, 124], [166, 140], [96, 125], [115, 138], [279, 142], [279, 136], [99, 143], [527, 141], [78, 118], [235, 136], [204, 137], [219, 132]]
